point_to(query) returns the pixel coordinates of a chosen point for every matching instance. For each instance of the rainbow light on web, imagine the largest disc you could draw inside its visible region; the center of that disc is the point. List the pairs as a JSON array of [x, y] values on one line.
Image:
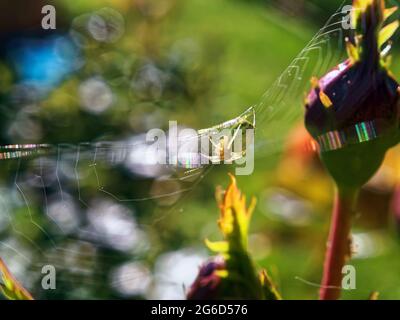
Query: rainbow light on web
[[15, 151]]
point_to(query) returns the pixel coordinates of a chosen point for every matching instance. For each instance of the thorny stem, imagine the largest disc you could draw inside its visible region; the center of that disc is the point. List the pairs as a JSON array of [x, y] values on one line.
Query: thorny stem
[[339, 244]]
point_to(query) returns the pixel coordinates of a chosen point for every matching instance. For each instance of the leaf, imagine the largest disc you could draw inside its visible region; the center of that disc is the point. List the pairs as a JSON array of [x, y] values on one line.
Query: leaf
[[10, 287], [359, 7], [218, 246], [387, 62], [314, 82], [235, 216], [374, 296], [326, 101], [362, 4], [269, 287], [371, 10], [237, 276], [387, 32], [223, 274], [388, 12], [352, 51]]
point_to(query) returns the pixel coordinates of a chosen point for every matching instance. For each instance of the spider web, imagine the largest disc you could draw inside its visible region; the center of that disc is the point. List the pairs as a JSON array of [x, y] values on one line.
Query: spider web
[[46, 182]]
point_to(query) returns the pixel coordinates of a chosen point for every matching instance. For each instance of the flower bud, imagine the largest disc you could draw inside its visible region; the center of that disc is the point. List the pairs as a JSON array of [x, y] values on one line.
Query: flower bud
[[353, 111], [208, 282]]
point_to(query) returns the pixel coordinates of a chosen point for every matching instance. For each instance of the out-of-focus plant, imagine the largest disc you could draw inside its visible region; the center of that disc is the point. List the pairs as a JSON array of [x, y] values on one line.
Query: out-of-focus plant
[[301, 165], [131, 74], [232, 274], [361, 90], [10, 287]]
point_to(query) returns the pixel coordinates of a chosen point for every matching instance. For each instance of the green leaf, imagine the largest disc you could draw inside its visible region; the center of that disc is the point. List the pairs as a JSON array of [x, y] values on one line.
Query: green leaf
[[269, 287], [352, 51], [218, 246], [360, 7], [387, 32]]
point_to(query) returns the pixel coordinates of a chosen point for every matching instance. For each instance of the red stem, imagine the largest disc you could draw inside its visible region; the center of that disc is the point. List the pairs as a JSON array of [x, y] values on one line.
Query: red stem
[[338, 247]]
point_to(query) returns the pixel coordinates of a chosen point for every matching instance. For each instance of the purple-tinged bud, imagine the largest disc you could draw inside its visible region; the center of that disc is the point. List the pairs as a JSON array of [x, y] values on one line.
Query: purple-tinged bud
[[208, 282], [353, 111]]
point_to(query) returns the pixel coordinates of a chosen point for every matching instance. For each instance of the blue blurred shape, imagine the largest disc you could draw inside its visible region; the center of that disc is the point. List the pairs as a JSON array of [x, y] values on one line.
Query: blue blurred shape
[[44, 62]]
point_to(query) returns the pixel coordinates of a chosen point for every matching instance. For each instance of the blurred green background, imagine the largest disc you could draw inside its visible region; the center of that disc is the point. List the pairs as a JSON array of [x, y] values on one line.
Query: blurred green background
[[114, 69]]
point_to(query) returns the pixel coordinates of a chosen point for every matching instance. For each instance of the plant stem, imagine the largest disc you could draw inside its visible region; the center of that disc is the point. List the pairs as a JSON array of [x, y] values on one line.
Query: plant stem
[[339, 244]]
